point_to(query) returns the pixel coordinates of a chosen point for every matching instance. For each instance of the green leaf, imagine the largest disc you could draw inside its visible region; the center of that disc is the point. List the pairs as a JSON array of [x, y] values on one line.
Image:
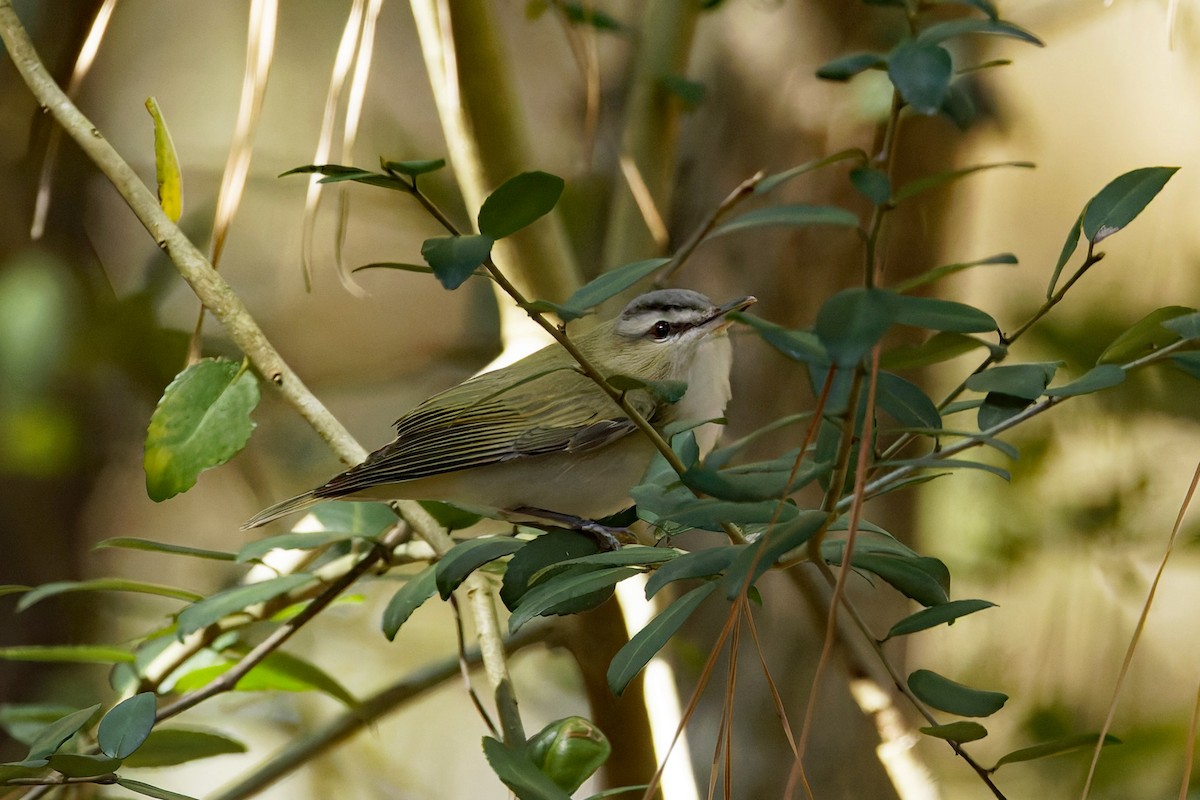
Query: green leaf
[[606, 286], [961, 731], [772, 181], [1145, 336], [450, 516], [202, 421], [424, 269], [166, 747], [455, 258], [408, 599], [164, 547], [690, 93], [638, 651], [997, 409], [290, 541], [1188, 363], [166, 165], [942, 315], [105, 585], [335, 173], [1104, 376], [906, 403], [518, 202], [67, 654], [921, 74], [699, 564], [278, 672], [1187, 326], [958, 27], [710, 515], [1054, 748], [81, 765], [553, 592], [413, 168], [937, 462], [358, 519], [151, 791], [846, 67], [519, 773], [923, 579], [943, 614], [21, 769], [568, 751], [915, 187], [802, 346], [852, 321], [871, 184], [628, 556], [127, 725], [231, 601], [760, 556], [937, 273], [796, 215], [13, 588], [531, 560], [466, 557], [938, 348], [955, 698], [578, 13], [52, 737], [664, 391], [1068, 249], [1118, 203], [1026, 381]]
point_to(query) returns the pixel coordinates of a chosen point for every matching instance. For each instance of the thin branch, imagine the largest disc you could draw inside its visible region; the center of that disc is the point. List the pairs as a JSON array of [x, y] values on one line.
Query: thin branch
[[740, 193]]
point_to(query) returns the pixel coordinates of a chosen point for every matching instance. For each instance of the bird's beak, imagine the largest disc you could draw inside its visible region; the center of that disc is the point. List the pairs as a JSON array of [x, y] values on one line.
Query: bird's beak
[[719, 318]]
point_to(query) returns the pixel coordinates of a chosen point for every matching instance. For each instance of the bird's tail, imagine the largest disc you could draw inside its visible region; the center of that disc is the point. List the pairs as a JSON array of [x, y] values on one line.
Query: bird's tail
[[282, 509]]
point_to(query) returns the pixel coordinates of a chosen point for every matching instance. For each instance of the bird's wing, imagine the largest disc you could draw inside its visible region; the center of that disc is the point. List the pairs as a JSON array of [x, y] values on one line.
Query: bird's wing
[[483, 421]]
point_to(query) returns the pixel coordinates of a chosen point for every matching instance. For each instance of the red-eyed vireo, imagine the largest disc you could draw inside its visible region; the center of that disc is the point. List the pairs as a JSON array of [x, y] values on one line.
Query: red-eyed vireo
[[540, 435]]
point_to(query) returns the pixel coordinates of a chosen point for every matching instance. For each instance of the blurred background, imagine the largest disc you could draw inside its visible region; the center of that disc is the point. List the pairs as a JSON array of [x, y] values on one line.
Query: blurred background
[[94, 323]]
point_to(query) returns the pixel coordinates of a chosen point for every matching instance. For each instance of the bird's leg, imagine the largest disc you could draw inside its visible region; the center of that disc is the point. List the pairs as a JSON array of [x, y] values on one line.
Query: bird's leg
[[608, 538]]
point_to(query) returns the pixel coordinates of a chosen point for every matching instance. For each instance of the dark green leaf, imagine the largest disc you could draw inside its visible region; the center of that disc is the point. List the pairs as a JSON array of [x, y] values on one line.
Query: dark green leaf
[[665, 391], [519, 202], [1118, 203], [335, 173], [1054, 748], [906, 403], [690, 92], [519, 774], [164, 547], [166, 747], [365, 519], [21, 769], [741, 488], [414, 168], [424, 269], [939, 272], [938, 348], [699, 564], [50, 738], [127, 725], [151, 791], [202, 421], [955, 698], [803, 346], [568, 751], [799, 214], [553, 592], [1104, 376], [1145, 336], [997, 409], [450, 516], [1068, 249], [945, 613], [466, 557], [231, 601], [915, 187], [772, 181], [455, 258], [759, 557], [408, 599], [548, 549], [871, 184], [851, 322], [846, 67], [1188, 363], [923, 579], [290, 541], [638, 651], [67, 654], [959, 104], [710, 515], [937, 462], [105, 585], [606, 286], [628, 556], [958, 27], [961, 731], [942, 315], [1187, 326], [80, 765], [1027, 381], [921, 74], [278, 672]]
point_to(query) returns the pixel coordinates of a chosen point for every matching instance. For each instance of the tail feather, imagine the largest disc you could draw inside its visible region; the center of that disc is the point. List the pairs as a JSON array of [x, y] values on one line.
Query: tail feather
[[282, 509]]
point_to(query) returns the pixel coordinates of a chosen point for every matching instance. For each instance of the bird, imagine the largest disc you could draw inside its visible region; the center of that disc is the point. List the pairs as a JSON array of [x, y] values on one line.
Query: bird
[[539, 435]]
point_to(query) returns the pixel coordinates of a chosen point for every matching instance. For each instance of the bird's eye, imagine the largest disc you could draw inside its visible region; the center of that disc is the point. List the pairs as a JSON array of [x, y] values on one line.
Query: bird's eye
[[661, 329]]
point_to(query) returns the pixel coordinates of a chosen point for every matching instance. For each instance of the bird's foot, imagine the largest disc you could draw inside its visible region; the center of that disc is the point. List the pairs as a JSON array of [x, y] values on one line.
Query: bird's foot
[[607, 537]]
